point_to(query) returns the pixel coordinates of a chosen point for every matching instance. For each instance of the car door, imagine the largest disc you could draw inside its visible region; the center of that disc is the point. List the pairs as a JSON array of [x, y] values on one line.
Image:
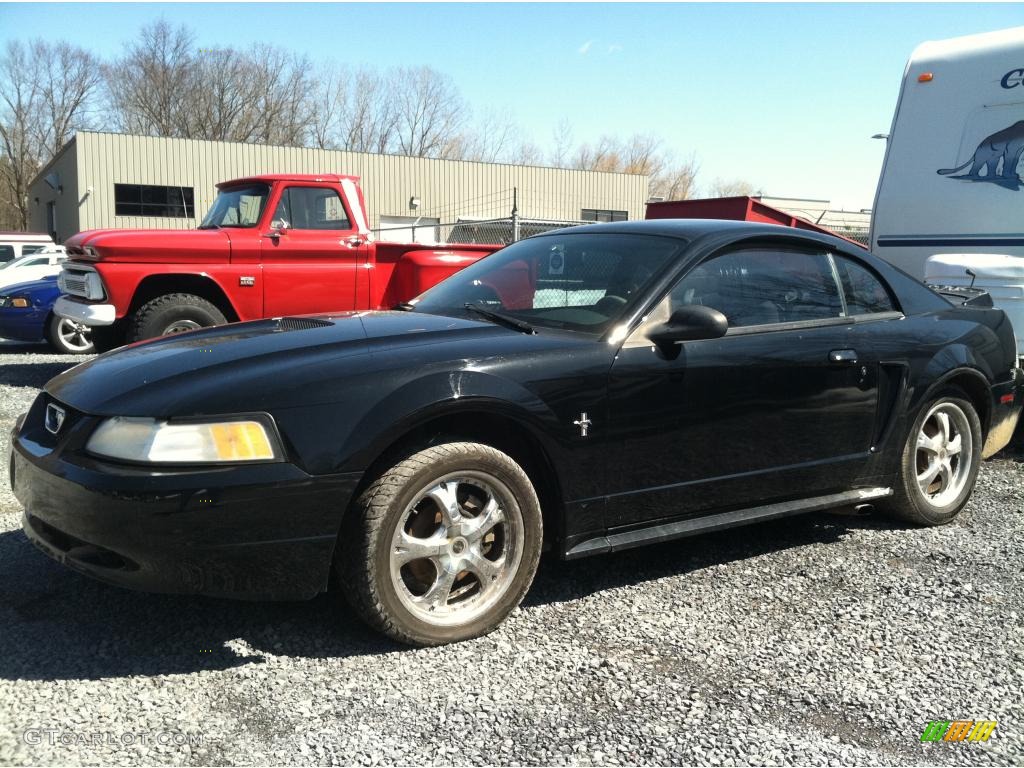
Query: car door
[[311, 254], [782, 406]]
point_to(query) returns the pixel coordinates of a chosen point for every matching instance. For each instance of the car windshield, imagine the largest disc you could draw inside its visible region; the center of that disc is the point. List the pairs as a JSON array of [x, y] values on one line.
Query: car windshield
[[581, 281], [237, 207]]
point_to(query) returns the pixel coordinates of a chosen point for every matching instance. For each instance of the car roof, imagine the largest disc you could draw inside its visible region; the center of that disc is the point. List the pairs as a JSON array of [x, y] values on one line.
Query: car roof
[[24, 237], [692, 229]]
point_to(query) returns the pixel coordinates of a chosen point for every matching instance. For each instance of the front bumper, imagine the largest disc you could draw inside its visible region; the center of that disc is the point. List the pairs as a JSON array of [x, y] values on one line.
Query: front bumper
[[262, 532], [1007, 401], [87, 314]]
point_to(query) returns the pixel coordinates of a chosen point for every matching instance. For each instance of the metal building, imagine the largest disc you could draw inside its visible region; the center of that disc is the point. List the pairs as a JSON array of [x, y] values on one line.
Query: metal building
[[110, 180]]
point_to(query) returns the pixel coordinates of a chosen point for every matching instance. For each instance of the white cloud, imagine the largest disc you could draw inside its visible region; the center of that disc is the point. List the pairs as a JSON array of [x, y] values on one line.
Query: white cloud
[[585, 48], [614, 48]]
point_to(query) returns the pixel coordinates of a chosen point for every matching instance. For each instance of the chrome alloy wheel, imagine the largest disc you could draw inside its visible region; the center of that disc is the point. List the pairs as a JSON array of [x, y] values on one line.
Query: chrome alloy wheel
[[457, 548], [180, 326], [944, 454], [74, 336]]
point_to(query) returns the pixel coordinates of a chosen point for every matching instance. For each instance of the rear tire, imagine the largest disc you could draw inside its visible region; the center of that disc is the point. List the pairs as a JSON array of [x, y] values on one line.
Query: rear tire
[[173, 313], [69, 337], [442, 546], [940, 461]]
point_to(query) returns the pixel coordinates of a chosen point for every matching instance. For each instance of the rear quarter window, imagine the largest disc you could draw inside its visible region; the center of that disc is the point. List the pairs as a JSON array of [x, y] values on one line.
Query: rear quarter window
[[864, 292]]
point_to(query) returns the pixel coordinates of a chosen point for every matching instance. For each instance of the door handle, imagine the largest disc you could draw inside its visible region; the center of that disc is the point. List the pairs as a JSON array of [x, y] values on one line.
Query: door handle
[[843, 357]]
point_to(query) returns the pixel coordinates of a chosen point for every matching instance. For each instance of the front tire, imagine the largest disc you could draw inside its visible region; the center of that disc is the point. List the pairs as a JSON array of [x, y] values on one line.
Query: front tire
[[173, 313], [940, 462], [442, 546], [69, 337]]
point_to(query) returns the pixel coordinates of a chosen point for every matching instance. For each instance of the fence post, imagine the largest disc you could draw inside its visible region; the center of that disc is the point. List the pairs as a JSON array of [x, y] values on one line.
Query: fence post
[[515, 214]]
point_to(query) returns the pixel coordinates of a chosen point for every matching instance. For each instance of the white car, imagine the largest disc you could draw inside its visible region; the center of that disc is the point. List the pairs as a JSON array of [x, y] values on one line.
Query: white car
[[14, 245], [33, 267]]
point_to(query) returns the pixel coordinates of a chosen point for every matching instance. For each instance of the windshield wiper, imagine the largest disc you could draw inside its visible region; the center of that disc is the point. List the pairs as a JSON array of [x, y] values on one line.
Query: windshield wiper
[[404, 306], [498, 317]]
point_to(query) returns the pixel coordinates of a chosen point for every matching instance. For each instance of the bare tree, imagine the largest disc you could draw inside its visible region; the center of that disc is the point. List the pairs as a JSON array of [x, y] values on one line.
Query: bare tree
[[45, 90], [372, 117], [21, 113], [69, 77], [283, 87], [641, 154], [494, 137], [733, 188], [675, 181], [561, 143], [431, 111], [151, 87], [330, 104]]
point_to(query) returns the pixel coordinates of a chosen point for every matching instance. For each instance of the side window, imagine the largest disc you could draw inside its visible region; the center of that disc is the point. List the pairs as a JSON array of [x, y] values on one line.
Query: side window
[[762, 286], [27, 250], [36, 262], [6, 252], [865, 294], [314, 208]]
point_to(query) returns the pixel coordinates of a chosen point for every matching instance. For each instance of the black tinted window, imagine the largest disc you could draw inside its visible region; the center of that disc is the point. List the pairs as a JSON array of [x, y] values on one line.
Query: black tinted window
[[311, 208], [864, 292], [758, 287], [6, 252], [581, 282], [150, 200]]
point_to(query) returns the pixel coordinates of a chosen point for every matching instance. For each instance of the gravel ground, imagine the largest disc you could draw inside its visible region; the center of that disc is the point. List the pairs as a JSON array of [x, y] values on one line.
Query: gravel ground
[[819, 640]]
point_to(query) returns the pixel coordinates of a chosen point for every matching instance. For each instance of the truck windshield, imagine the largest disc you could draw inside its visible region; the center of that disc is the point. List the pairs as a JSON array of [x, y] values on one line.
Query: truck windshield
[[237, 207], [579, 281]]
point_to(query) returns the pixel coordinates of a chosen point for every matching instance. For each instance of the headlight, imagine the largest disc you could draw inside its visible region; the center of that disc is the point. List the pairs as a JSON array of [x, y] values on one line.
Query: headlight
[[19, 302], [162, 442], [94, 286]]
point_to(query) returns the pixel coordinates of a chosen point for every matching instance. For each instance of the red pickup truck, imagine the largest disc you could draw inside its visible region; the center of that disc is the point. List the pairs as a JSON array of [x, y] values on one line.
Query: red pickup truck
[[270, 246]]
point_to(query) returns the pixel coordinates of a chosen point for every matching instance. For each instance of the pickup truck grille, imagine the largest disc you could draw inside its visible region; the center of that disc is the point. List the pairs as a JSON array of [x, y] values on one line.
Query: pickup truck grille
[[75, 284], [79, 281]]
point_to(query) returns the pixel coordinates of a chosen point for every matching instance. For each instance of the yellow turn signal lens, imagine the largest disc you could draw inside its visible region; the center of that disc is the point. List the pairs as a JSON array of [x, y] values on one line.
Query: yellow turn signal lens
[[241, 441], [19, 302]]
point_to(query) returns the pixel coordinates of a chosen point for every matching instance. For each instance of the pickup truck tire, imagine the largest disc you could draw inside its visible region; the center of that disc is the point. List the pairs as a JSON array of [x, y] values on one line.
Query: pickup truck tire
[[442, 546], [68, 337], [173, 313], [939, 464]]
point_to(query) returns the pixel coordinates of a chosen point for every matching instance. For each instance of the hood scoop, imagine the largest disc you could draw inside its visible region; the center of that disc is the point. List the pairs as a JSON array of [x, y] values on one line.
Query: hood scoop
[[300, 323]]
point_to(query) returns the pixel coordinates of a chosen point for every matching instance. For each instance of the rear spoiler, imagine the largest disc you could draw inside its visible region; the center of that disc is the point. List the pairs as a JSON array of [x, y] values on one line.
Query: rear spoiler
[[964, 296]]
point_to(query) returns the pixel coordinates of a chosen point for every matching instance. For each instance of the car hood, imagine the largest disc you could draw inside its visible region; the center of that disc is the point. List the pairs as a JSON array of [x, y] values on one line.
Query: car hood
[[150, 245], [269, 364], [31, 287]]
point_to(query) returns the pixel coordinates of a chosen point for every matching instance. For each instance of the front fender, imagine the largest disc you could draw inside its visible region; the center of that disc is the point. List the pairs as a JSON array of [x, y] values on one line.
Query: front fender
[[438, 395]]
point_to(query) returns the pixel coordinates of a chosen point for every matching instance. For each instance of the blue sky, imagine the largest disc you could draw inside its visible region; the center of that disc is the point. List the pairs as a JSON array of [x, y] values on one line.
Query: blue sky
[[785, 96]]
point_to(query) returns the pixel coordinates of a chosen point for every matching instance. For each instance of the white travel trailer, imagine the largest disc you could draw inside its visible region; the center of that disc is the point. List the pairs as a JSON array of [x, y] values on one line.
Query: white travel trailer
[[950, 182]]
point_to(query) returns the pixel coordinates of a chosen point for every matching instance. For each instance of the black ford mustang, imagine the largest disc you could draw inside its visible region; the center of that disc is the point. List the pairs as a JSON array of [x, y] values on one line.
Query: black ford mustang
[[584, 391]]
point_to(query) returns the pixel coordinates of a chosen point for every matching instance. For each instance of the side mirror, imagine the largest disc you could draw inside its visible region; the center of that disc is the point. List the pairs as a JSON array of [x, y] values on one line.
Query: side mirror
[[281, 226], [690, 322]]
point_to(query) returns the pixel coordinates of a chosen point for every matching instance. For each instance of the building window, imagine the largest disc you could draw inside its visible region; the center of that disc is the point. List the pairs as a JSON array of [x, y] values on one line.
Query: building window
[[149, 200], [594, 214]]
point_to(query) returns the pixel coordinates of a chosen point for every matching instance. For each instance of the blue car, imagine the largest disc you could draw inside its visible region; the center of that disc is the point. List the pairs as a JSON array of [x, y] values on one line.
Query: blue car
[[26, 314]]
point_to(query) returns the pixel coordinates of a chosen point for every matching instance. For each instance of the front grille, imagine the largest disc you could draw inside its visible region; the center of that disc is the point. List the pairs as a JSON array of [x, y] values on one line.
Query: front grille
[[75, 284]]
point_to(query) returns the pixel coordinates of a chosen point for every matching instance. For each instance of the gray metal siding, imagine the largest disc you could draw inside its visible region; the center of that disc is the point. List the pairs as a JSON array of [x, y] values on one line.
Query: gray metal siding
[[447, 188]]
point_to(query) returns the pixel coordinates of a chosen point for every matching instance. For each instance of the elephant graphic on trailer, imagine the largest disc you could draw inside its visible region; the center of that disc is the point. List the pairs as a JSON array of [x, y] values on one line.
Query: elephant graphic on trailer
[[998, 156]]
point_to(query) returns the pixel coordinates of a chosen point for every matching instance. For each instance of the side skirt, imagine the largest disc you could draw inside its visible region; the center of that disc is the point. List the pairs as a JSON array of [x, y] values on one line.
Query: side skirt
[[613, 542]]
